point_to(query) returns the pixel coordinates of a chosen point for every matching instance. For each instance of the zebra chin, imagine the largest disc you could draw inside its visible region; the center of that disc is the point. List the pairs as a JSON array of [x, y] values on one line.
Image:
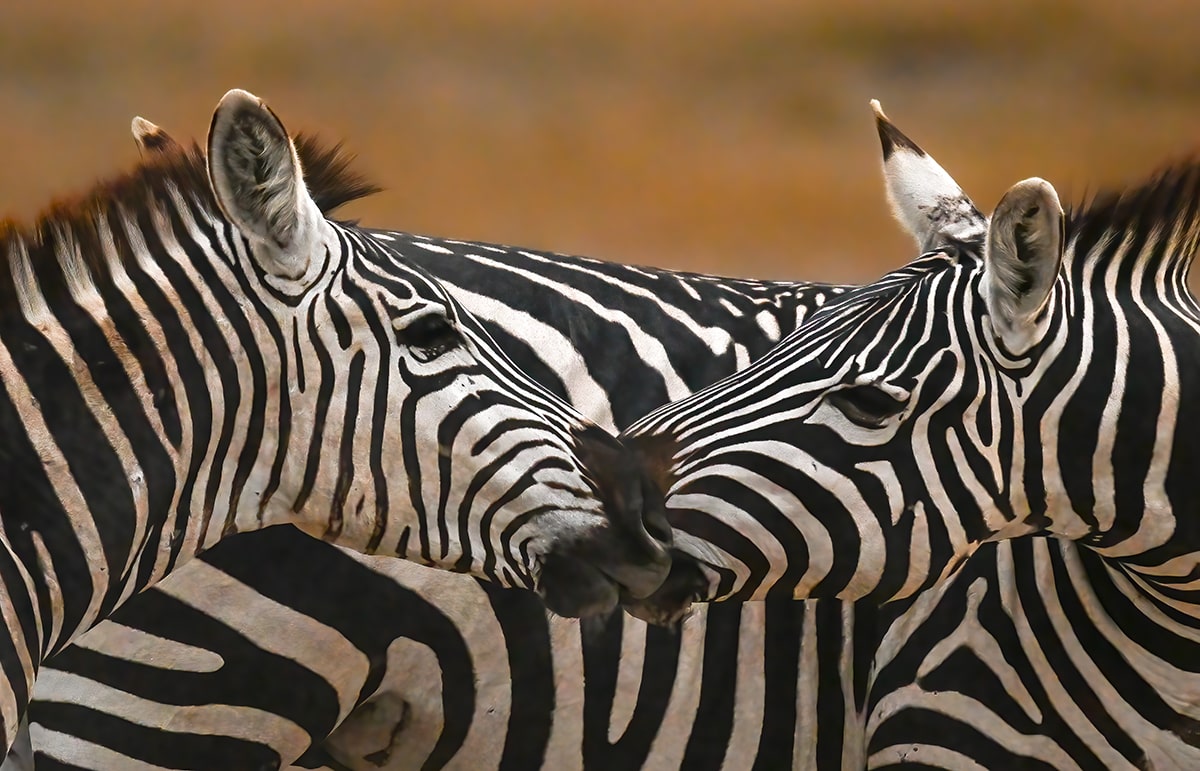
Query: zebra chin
[[686, 583], [577, 588], [592, 577]]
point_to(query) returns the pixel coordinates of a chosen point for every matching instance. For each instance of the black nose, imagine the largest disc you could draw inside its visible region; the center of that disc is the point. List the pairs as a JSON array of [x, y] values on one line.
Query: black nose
[[632, 500]]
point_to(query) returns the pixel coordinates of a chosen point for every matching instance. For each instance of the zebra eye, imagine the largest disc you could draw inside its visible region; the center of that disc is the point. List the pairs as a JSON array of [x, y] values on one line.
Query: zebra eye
[[429, 336], [866, 405]]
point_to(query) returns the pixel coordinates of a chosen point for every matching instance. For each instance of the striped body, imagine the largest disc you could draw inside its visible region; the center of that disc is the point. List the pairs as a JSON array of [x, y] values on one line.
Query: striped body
[[1039, 653]]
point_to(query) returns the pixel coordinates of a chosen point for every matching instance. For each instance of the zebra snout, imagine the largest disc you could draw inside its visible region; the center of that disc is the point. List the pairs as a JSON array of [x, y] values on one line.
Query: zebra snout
[[633, 500], [627, 556]]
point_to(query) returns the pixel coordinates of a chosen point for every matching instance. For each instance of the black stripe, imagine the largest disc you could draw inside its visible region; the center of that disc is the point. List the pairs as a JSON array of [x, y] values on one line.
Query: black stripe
[[187, 752], [601, 664], [325, 385], [709, 742], [522, 618], [783, 629], [93, 465], [346, 455]]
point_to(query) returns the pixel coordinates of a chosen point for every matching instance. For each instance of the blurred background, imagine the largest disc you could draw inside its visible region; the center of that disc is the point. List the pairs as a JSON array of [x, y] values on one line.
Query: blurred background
[[710, 135]]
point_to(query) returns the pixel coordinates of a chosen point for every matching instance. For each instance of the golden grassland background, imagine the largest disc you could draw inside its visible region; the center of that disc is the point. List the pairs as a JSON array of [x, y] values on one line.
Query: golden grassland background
[[712, 135]]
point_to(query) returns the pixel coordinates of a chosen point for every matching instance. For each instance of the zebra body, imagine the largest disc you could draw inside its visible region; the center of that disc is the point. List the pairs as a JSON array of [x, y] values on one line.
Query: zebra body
[[155, 339], [1042, 654], [463, 675]]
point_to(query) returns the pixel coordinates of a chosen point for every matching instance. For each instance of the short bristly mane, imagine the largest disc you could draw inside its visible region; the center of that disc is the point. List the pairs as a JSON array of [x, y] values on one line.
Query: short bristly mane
[[78, 225], [327, 172], [1165, 208]]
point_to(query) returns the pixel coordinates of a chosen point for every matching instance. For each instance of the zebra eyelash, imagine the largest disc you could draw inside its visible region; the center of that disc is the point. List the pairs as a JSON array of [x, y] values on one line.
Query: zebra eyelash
[[428, 334], [868, 405]]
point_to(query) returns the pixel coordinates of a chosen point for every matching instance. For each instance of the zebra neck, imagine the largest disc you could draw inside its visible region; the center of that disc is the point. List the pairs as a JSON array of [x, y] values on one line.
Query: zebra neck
[[135, 419]]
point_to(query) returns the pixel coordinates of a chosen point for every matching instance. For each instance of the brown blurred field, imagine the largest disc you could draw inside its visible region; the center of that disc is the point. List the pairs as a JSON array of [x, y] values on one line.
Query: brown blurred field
[[711, 135]]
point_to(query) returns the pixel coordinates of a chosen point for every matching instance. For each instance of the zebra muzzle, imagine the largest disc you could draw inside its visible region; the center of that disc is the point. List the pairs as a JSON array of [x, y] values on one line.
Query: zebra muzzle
[[633, 504]]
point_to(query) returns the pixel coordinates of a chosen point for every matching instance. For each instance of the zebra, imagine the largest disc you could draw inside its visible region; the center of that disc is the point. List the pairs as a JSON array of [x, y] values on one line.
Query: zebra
[[681, 331], [185, 353], [1036, 385], [567, 320], [1041, 652]]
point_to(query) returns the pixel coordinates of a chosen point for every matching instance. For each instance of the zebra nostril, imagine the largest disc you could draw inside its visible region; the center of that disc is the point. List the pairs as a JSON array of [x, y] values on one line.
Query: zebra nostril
[[632, 501]]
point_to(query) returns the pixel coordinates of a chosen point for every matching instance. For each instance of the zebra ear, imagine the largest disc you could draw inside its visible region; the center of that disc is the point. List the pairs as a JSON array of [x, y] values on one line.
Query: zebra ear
[[1021, 262], [151, 139], [257, 180], [924, 198]]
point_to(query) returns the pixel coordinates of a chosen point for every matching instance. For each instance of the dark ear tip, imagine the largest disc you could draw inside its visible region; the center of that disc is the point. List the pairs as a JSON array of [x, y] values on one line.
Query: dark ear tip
[[151, 137], [890, 137]]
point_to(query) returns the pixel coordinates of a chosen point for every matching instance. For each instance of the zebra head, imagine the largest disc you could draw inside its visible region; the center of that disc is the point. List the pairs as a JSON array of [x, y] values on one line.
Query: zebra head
[[391, 423], [1035, 380]]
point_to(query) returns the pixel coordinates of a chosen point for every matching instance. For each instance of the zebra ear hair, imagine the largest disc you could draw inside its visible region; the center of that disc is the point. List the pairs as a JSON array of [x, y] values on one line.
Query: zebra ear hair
[[152, 140], [259, 185], [926, 200], [1022, 259]]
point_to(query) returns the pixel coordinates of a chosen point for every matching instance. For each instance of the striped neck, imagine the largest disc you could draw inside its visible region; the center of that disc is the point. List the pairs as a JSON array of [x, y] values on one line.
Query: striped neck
[[124, 380]]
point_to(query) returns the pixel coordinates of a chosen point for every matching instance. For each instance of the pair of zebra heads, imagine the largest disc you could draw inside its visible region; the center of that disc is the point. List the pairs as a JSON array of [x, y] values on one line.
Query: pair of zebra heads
[[196, 350]]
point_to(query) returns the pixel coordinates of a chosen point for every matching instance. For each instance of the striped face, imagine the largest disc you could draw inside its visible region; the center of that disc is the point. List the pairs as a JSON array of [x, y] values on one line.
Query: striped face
[[967, 397], [817, 472], [445, 452], [402, 428]]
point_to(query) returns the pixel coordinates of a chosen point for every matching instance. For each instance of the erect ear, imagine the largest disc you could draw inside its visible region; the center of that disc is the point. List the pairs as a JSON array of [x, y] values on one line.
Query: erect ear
[[1021, 262], [257, 180], [924, 198], [152, 139]]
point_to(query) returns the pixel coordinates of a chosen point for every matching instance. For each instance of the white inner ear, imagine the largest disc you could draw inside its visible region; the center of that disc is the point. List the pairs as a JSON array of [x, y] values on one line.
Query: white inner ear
[[258, 182], [1022, 260]]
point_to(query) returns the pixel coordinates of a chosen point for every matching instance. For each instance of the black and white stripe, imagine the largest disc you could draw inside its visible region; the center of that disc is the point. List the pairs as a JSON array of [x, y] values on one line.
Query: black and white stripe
[[1007, 658], [1039, 381], [182, 361], [616, 338]]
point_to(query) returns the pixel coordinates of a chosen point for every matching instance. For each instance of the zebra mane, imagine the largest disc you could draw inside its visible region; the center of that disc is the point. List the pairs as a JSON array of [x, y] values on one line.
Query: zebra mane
[[331, 181], [1161, 216], [65, 244]]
